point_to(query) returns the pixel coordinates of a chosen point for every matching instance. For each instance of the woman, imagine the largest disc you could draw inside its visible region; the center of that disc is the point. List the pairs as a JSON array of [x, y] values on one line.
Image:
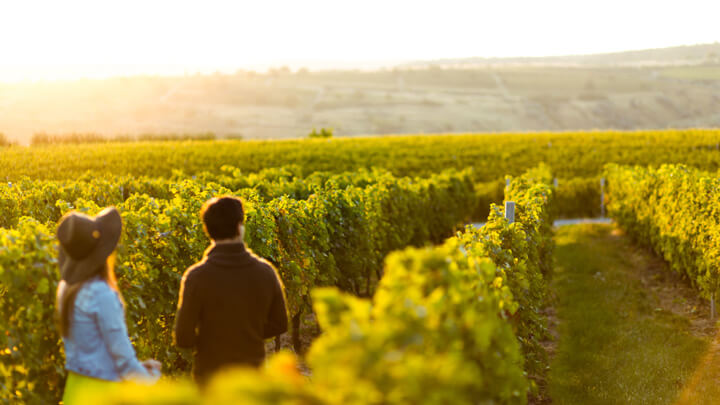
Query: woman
[[90, 310]]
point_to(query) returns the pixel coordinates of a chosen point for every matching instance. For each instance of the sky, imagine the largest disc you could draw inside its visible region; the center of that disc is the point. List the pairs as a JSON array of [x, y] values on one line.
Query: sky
[[47, 40]]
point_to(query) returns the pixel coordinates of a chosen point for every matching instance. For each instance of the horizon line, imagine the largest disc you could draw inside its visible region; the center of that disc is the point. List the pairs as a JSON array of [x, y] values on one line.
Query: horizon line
[[169, 70]]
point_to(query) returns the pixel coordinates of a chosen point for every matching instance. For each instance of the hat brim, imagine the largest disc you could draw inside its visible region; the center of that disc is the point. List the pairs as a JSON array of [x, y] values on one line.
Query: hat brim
[[109, 223]]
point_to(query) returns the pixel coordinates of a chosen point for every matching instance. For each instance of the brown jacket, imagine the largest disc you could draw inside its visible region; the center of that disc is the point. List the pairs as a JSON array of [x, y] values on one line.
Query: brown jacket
[[229, 303]]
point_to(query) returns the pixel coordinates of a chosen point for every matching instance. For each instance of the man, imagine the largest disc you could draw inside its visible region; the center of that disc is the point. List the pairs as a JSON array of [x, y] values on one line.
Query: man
[[231, 300]]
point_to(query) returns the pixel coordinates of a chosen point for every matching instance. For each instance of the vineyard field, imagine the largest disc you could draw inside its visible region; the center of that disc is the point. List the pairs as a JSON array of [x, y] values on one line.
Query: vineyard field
[[462, 321], [569, 155], [369, 238], [336, 236], [336, 203]]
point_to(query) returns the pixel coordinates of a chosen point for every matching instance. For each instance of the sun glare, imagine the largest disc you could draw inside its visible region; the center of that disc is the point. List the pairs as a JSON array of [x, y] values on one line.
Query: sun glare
[[82, 38], [369, 201]]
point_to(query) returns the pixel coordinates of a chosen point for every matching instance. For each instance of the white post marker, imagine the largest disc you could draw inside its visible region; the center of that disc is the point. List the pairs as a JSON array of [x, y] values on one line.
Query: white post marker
[[602, 197], [555, 182], [507, 182], [510, 211]]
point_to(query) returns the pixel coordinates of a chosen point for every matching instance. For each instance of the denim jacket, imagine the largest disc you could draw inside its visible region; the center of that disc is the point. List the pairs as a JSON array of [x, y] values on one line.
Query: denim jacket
[[97, 344]]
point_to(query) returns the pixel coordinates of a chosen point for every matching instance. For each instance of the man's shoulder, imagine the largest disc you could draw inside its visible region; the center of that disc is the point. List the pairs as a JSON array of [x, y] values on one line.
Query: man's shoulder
[[262, 264], [195, 271], [204, 268]]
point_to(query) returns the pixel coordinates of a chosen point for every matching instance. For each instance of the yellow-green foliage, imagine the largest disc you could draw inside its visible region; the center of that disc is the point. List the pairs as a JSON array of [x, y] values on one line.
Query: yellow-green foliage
[[439, 329], [336, 236], [491, 192], [676, 211], [432, 334], [569, 155], [30, 358], [278, 382], [576, 158], [578, 197], [523, 255]]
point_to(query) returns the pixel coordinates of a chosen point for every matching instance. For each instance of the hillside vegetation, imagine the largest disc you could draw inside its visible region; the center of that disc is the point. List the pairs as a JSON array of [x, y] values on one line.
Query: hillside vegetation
[[657, 90]]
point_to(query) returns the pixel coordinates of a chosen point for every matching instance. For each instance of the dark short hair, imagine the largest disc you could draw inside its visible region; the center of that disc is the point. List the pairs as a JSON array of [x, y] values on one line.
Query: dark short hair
[[221, 217]]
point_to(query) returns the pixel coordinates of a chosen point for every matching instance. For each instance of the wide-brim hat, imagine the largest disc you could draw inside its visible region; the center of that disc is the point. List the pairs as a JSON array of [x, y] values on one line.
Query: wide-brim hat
[[86, 243]]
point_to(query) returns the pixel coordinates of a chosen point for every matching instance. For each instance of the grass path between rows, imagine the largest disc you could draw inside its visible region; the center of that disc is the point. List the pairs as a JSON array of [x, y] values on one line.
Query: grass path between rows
[[628, 330]]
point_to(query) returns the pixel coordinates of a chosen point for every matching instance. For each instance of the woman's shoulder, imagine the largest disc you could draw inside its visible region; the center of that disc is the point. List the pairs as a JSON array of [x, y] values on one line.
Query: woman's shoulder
[[95, 289], [96, 285]]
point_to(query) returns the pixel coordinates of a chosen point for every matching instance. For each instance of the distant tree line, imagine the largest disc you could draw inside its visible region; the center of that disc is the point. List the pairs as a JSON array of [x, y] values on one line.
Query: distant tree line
[[73, 138], [323, 133], [43, 138]]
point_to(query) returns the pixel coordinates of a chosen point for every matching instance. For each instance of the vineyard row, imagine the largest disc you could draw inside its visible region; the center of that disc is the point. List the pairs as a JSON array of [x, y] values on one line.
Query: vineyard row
[[338, 236], [675, 210], [459, 323], [569, 155]]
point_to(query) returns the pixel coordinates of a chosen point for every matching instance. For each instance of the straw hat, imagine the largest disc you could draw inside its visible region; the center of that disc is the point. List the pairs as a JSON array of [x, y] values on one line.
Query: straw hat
[[86, 242]]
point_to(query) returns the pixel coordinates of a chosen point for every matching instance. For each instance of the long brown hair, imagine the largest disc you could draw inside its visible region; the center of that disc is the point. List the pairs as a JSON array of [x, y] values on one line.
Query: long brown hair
[[66, 294]]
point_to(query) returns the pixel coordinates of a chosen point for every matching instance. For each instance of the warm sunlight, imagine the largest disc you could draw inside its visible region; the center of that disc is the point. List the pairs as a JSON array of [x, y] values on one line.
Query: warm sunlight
[[359, 202], [85, 38]]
